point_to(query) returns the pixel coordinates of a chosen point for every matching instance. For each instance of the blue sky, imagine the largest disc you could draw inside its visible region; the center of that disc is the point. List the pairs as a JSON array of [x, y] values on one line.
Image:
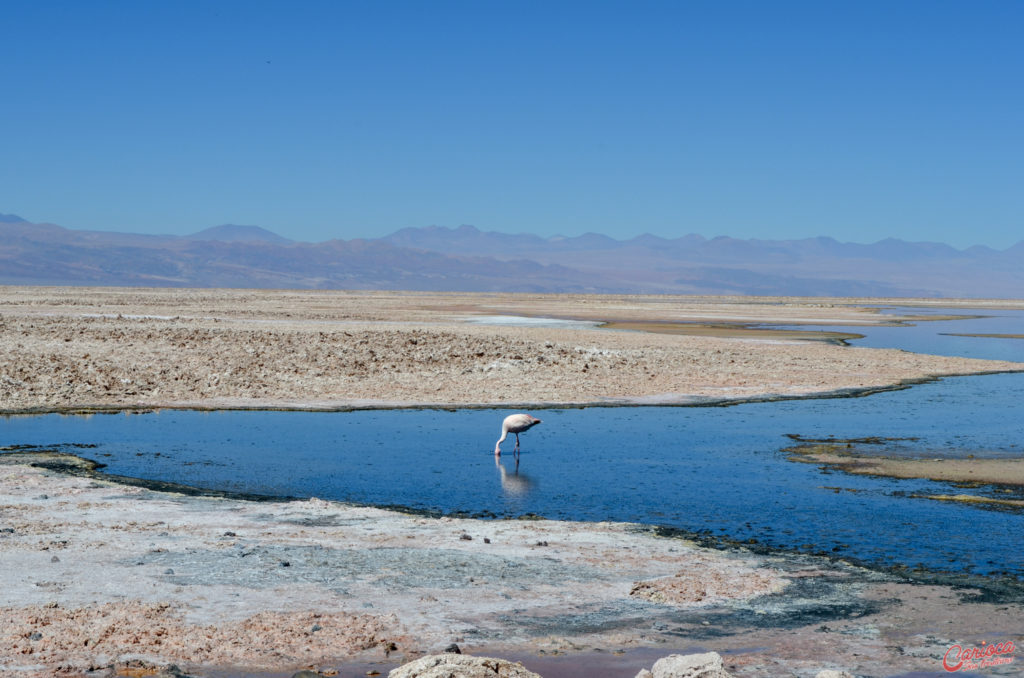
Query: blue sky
[[342, 119]]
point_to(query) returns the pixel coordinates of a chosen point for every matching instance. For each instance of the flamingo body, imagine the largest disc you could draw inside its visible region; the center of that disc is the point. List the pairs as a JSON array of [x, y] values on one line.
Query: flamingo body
[[515, 424]]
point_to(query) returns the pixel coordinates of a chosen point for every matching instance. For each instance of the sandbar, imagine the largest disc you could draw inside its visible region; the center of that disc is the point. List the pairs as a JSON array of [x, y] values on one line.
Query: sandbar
[[989, 471]]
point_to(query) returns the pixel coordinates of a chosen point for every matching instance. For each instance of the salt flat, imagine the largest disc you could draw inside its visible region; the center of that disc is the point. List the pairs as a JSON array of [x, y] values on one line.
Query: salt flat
[[74, 348]]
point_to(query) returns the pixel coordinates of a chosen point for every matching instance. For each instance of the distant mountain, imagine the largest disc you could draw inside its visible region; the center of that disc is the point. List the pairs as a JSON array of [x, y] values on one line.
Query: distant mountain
[[468, 259], [46, 254], [693, 264], [234, 233]]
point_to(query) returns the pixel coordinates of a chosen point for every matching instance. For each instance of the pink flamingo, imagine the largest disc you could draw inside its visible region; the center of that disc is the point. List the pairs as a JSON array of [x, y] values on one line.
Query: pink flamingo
[[514, 423]]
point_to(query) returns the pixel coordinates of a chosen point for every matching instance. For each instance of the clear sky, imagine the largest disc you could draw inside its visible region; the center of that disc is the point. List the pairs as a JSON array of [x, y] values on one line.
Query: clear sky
[[339, 119]]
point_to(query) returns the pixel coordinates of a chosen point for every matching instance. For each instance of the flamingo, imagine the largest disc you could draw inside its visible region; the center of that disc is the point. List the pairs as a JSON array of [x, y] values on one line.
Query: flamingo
[[514, 423]]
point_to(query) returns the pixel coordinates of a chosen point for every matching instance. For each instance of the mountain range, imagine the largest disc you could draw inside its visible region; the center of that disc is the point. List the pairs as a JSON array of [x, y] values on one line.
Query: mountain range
[[468, 259]]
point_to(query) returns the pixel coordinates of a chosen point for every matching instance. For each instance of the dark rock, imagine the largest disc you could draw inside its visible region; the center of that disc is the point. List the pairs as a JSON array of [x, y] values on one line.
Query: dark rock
[[465, 537], [453, 649], [55, 559]]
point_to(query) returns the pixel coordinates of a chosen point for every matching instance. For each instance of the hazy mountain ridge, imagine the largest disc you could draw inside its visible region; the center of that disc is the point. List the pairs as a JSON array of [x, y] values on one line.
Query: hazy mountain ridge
[[236, 233], [49, 254], [468, 259], [810, 266]]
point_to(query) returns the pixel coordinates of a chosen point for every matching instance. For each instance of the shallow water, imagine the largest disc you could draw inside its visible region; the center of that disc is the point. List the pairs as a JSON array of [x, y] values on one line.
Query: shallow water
[[935, 337], [715, 469]]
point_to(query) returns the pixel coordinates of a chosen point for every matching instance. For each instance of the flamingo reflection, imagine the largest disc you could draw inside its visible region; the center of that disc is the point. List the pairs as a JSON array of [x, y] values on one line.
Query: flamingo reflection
[[513, 484]]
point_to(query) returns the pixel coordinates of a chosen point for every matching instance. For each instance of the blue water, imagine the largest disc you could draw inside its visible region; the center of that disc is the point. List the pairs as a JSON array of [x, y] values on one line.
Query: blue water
[[715, 469], [936, 336]]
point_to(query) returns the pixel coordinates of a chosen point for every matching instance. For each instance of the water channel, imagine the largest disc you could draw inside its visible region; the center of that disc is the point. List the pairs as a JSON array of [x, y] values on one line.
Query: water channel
[[720, 471]]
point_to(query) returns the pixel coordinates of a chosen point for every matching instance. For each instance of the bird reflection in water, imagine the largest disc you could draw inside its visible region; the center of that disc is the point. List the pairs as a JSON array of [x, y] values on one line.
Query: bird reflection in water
[[514, 483]]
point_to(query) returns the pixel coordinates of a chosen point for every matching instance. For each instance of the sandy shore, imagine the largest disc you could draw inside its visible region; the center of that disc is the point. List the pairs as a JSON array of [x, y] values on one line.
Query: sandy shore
[[105, 579], [94, 348]]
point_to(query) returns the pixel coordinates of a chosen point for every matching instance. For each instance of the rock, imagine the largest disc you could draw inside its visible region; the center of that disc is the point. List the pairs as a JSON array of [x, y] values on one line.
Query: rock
[[644, 673], [453, 649], [461, 666], [706, 665], [306, 673], [832, 673]]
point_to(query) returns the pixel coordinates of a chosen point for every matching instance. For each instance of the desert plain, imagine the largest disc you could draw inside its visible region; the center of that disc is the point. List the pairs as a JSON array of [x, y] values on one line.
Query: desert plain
[[112, 578]]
